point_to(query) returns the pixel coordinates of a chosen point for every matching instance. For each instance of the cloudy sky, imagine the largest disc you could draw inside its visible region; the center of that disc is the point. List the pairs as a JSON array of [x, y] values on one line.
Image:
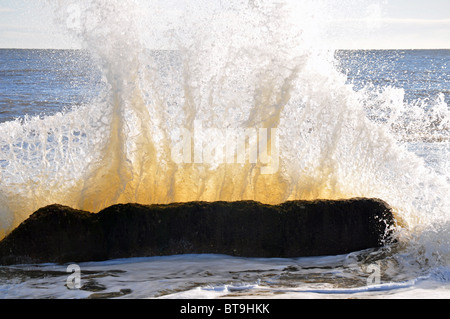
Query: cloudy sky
[[363, 24]]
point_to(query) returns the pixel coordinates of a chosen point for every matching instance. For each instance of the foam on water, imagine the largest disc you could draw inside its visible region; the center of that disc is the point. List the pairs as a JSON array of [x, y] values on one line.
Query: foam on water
[[216, 276], [234, 65]]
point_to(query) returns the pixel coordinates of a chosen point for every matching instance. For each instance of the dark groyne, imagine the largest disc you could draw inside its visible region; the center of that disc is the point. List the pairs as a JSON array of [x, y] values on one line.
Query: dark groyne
[[61, 234]]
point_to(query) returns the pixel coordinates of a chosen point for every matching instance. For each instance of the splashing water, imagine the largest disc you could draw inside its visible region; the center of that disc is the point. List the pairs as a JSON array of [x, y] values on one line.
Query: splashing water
[[233, 65]]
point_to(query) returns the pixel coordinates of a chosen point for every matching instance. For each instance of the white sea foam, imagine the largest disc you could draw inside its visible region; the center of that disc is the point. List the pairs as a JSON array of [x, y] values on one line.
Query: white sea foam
[[217, 276]]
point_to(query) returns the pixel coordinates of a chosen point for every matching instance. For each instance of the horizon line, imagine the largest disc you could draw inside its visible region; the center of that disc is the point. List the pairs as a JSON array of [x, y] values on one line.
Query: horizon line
[[335, 49]]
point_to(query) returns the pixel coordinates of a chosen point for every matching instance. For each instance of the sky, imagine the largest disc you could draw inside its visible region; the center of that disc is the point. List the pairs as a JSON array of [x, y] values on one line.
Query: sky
[[358, 24]]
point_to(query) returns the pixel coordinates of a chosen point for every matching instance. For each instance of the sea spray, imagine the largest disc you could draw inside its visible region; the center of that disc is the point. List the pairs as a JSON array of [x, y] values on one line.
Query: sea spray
[[255, 65]]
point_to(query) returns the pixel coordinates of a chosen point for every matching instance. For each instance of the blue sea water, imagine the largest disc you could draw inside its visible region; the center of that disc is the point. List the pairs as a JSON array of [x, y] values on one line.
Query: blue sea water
[[422, 74], [42, 83]]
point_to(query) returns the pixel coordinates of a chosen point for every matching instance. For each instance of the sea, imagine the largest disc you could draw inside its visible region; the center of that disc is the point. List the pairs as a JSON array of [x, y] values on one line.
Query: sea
[[93, 127]]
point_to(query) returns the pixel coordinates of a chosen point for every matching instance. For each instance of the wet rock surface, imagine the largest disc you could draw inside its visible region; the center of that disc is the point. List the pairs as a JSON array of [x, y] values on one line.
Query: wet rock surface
[[60, 234]]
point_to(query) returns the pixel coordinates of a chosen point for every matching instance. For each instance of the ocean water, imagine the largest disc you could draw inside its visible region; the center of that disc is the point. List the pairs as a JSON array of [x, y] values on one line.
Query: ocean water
[[94, 127]]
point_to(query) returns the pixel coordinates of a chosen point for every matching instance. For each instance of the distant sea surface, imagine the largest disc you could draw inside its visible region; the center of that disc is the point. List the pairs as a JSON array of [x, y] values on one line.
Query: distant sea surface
[[43, 82]]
